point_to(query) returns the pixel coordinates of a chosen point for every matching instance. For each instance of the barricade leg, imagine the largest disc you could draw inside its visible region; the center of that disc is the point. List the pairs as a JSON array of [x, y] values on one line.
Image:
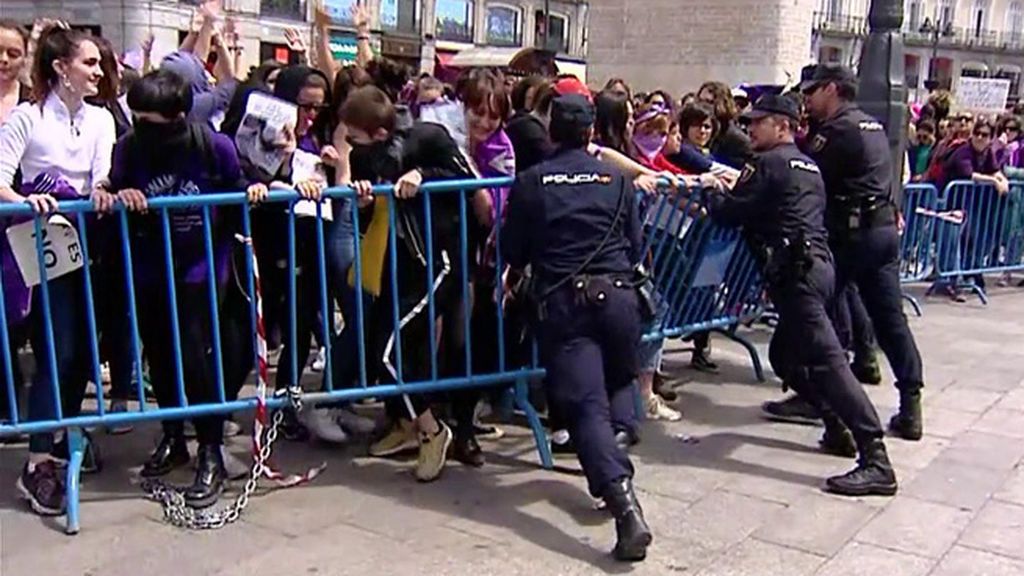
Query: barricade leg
[[76, 449], [755, 357], [913, 304], [540, 436]]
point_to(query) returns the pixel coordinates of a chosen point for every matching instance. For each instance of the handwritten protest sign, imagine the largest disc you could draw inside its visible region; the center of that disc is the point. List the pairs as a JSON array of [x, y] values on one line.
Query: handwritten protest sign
[[982, 94]]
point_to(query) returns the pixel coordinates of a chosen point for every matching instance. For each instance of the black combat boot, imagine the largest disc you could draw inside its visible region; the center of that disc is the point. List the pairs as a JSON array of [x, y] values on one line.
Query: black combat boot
[[467, 450], [866, 369], [908, 423], [210, 477], [171, 453], [873, 475], [837, 440], [633, 536]]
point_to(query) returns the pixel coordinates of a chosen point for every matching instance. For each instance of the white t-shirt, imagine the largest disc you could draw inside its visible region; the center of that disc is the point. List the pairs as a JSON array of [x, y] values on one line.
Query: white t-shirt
[[49, 138]]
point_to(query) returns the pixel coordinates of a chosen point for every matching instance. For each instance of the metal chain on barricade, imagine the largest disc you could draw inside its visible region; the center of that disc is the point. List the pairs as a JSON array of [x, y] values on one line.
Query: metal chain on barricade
[[172, 500]]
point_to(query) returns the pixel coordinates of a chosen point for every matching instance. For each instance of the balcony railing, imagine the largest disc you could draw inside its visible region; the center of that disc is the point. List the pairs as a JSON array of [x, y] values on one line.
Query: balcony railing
[[285, 9], [952, 37], [840, 23]]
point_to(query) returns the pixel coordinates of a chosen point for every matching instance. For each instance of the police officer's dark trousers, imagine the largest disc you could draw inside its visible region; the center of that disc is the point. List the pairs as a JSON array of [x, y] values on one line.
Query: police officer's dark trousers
[[869, 257], [588, 345], [807, 351]]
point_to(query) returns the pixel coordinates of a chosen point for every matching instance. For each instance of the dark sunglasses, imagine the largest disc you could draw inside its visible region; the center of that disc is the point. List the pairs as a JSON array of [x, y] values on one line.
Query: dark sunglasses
[[313, 107], [1013, 128]]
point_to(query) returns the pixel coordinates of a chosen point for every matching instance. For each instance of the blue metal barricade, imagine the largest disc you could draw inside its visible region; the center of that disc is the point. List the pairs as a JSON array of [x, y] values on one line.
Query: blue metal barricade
[[189, 284], [705, 274], [978, 231], [917, 248]]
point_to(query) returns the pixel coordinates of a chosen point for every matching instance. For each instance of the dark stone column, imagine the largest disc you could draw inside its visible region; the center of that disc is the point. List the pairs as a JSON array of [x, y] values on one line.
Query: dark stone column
[[883, 92]]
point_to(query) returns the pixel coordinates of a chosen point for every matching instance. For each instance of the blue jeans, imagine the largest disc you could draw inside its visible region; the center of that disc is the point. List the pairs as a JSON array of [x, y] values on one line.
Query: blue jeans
[[341, 253], [70, 344]]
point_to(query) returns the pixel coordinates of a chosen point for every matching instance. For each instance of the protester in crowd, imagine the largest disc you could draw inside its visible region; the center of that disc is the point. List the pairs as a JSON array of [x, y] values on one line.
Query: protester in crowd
[[698, 127], [194, 160], [263, 78], [730, 146], [524, 95], [13, 61], [979, 161], [1014, 148], [619, 87], [63, 147], [109, 95], [487, 106], [920, 153], [614, 122], [422, 152], [210, 102], [741, 99], [527, 130], [687, 99], [305, 154], [13, 91], [660, 98], [650, 133]]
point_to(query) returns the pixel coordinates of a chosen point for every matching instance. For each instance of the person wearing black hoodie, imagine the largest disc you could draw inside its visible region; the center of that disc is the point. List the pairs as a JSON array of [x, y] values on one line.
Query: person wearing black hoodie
[[386, 148]]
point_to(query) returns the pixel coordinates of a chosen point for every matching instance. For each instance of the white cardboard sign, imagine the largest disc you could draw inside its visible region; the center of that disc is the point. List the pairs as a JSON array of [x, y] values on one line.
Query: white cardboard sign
[[982, 94], [62, 252]]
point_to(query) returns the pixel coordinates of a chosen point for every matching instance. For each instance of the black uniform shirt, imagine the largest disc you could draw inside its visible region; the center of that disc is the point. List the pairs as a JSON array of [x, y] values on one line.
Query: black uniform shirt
[[779, 196], [852, 150], [560, 210]]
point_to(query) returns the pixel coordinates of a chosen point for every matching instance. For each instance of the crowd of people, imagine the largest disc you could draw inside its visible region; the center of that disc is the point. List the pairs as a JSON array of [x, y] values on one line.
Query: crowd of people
[[78, 122]]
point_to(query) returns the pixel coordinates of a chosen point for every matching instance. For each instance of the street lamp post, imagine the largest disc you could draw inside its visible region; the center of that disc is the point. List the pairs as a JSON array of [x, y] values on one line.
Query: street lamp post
[[883, 91]]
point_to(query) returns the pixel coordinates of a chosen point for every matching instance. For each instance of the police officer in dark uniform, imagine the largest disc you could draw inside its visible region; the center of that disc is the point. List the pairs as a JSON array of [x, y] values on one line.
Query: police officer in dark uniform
[[853, 153], [574, 221], [780, 202]]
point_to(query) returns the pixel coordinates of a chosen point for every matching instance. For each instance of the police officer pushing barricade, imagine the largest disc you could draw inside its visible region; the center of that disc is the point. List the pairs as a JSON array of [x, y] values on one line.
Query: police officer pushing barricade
[[780, 202], [574, 221], [852, 150]]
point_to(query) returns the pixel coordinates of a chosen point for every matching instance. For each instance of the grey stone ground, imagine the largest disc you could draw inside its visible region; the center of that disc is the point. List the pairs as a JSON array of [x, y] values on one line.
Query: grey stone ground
[[726, 492]]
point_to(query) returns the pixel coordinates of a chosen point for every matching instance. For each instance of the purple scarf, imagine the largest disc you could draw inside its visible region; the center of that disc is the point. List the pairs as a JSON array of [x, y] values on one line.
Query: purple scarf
[[18, 296], [495, 158]]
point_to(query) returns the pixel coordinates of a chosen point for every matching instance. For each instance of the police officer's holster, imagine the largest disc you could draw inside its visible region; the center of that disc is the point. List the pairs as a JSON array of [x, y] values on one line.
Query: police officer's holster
[[848, 214]]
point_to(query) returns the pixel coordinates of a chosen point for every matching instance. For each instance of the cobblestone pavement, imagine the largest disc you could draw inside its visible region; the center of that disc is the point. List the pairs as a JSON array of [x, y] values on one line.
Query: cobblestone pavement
[[726, 492]]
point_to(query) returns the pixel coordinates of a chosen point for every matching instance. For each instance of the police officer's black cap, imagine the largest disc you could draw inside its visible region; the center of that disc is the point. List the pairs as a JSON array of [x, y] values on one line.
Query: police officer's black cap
[[774, 104], [571, 113], [813, 76]]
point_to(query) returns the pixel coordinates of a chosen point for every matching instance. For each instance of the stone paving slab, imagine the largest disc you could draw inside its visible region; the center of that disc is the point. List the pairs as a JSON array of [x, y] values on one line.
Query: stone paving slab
[[726, 492]]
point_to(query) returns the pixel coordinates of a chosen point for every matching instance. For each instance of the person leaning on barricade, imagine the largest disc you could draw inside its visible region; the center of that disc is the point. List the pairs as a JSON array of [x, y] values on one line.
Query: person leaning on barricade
[[383, 151], [62, 146], [780, 202], [166, 156]]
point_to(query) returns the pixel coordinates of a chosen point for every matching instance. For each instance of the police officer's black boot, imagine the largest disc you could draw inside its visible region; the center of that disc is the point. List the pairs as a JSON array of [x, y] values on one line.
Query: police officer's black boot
[[633, 534], [210, 477], [908, 423], [873, 475], [865, 367], [837, 440]]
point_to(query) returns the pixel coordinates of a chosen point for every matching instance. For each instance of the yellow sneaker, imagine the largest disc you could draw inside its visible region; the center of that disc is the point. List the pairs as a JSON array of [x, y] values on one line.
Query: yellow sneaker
[[433, 454], [401, 438]]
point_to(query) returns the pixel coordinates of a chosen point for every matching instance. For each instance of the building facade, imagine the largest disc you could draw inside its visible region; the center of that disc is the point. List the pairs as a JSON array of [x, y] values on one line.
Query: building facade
[[417, 32], [678, 44], [944, 40]]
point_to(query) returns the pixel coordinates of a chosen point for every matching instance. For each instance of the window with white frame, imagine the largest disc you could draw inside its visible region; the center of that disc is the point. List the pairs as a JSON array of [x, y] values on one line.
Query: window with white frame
[[945, 13], [914, 8], [454, 20], [556, 30], [504, 25], [979, 17], [1014, 32]]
